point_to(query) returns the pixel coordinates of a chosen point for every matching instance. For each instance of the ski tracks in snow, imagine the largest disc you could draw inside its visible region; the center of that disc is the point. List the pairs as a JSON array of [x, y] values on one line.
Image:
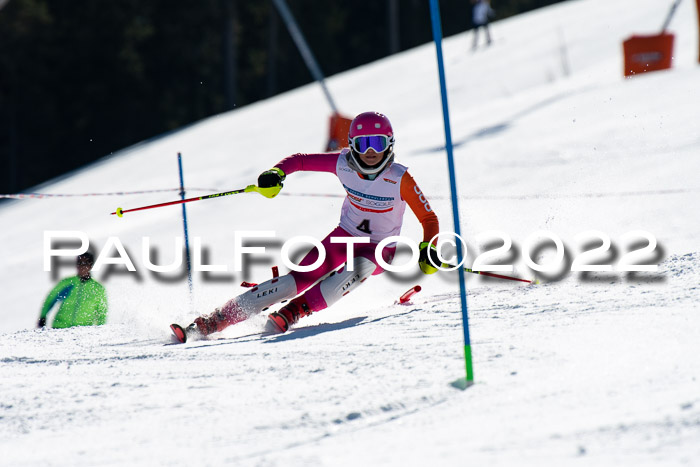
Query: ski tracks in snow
[[566, 348]]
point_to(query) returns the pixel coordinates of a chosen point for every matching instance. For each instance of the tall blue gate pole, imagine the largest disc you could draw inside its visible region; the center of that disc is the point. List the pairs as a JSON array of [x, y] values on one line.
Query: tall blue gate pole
[[437, 37], [187, 237]]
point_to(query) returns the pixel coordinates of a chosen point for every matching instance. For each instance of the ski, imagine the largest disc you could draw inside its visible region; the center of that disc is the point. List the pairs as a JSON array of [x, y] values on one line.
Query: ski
[[179, 332], [183, 334]]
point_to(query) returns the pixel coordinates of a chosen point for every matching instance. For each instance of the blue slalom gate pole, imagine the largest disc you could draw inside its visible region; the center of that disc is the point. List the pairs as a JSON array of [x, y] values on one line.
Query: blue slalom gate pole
[[187, 237], [437, 37]]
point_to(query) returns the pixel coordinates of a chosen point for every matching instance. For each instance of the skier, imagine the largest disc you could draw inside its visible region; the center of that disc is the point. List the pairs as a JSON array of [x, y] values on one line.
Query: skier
[[481, 12], [378, 190], [84, 299]]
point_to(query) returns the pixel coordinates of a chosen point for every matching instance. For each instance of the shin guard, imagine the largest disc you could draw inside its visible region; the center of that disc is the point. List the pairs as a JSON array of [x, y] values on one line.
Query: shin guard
[[248, 304], [341, 283]]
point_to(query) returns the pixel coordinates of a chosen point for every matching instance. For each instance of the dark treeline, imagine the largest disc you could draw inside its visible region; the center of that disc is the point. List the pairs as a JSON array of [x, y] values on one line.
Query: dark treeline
[[80, 79]]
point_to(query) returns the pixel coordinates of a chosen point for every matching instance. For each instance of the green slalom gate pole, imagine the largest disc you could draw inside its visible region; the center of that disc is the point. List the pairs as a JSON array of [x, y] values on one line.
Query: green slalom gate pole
[[437, 37]]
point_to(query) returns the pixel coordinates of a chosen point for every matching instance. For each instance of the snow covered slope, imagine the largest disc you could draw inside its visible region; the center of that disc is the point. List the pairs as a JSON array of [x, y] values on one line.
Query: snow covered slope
[[599, 369]]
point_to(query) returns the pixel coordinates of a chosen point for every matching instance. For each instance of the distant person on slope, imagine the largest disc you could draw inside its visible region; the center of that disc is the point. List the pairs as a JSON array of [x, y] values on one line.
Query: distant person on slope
[[378, 190], [84, 299], [481, 12]]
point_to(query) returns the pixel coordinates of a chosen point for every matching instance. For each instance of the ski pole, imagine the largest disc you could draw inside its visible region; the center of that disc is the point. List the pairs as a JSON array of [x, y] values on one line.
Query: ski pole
[[263, 191], [490, 274]]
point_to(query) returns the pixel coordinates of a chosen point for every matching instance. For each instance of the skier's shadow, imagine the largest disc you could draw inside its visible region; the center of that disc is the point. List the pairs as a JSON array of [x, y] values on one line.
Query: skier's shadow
[[303, 333], [502, 126]]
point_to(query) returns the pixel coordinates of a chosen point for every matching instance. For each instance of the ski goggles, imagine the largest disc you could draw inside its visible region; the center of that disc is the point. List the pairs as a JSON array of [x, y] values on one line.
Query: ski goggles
[[362, 144]]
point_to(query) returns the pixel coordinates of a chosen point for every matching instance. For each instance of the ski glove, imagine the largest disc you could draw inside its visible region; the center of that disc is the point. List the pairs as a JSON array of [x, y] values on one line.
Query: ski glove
[[42, 322], [270, 182], [271, 178], [428, 259]]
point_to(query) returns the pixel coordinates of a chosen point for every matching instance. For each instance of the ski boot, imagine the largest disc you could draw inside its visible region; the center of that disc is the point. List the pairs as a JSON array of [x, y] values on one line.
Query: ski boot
[[279, 322]]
